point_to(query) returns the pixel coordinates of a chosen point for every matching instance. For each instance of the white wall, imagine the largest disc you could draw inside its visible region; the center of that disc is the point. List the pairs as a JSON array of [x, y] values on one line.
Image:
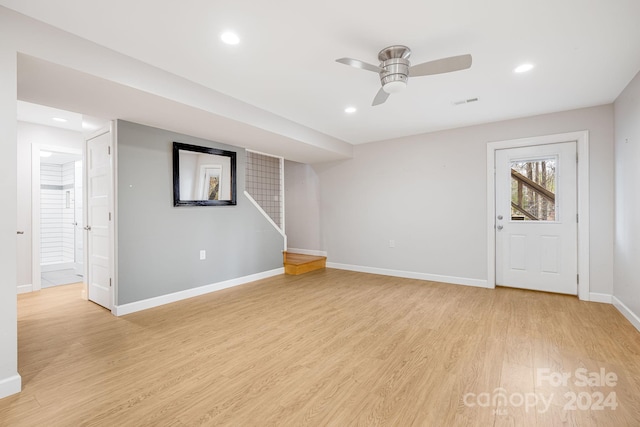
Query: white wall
[[428, 194], [10, 381], [302, 206], [626, 288], [28, 136]]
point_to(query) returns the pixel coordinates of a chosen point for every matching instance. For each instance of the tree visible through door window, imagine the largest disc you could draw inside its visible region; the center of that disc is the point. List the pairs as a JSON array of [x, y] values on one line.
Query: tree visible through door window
[[533, 190]]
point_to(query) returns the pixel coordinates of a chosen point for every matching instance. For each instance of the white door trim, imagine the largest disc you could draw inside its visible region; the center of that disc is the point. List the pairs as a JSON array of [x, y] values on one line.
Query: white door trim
[[582, 146]]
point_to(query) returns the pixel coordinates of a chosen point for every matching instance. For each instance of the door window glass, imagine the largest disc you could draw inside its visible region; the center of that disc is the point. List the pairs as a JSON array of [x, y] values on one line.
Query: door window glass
[[533, 190]]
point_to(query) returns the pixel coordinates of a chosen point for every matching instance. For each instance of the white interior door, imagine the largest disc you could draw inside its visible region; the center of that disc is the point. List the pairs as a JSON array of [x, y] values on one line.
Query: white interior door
[[536, 218], [99, 169]]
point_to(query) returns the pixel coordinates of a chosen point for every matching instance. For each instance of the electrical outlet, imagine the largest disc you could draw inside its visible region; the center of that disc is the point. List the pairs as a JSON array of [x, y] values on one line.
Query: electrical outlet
[[203, 254], [392, 243]]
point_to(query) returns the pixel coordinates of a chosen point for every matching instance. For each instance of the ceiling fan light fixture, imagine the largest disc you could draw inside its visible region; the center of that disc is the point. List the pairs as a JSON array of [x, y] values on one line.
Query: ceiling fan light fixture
[[395, 68], [395, 86]]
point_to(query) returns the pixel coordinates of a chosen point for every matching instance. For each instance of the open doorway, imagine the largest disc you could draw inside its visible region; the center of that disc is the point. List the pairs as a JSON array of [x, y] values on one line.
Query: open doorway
[[50, 148], [61, 237]]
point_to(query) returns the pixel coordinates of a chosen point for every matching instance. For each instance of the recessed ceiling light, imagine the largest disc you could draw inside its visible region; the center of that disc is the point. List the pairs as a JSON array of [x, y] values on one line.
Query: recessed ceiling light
[[523, 68], [45, 153], [350, 110], [230, 37], [59, 119]]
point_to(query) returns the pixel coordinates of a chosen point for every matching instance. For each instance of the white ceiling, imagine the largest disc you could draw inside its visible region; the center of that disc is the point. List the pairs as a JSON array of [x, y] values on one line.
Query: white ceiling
[[57, 158], [585, 52], [55, 117]]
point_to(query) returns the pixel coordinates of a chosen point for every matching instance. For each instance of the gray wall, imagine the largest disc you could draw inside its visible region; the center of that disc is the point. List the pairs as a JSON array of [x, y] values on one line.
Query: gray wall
[[159, 244], [627, 233], [428, 193]]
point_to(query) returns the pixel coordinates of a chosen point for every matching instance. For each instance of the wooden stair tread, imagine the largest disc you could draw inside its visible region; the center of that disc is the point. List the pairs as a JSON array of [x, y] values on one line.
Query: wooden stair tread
[[299, 263], [297, 259]]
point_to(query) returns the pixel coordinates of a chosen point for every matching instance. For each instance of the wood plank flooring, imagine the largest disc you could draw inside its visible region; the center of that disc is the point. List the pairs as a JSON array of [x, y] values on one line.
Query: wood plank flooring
[[330, 348]]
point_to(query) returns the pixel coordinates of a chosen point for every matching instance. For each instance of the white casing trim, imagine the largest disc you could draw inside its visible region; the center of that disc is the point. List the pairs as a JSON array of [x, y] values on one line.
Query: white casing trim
[[626, 312], [121, 310], [10, 385], [307, 252], [479, 283]]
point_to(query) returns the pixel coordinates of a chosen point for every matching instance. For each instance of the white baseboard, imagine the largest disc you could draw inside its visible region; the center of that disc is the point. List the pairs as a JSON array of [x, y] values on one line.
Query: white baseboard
[[25, 289], [10, 385], [121, 310], [603, 298], [307, 252], [411, 275], [626, 312]]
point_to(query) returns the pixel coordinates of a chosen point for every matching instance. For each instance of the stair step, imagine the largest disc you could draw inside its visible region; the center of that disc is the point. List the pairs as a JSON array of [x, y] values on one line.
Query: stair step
[[296, 264]]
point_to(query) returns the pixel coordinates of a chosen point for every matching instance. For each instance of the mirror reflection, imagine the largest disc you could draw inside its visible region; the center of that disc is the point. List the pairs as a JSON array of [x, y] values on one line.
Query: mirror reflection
[[203, 176]]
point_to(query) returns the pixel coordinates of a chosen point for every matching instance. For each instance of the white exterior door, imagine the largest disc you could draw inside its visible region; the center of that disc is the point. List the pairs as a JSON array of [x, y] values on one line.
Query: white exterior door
[[99, 169], [536, 218]]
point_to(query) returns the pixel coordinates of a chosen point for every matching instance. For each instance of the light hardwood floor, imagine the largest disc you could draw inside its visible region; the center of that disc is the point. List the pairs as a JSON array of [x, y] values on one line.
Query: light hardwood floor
[[327, 348]]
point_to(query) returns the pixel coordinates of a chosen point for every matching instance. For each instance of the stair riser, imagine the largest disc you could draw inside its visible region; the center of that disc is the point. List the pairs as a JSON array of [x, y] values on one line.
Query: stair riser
[[304, 268]]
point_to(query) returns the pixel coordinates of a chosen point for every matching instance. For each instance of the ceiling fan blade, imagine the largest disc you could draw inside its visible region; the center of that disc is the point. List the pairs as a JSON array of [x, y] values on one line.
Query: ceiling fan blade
[[359, 64], [381, 96], [439, 66]]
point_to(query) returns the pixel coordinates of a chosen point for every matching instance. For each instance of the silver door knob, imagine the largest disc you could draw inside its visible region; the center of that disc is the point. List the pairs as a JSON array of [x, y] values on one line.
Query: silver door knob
[[499, 227], [499, 216], [88, 228]]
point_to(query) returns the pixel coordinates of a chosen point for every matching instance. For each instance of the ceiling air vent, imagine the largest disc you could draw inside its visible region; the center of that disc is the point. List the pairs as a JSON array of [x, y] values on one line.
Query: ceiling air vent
[[465, 101]]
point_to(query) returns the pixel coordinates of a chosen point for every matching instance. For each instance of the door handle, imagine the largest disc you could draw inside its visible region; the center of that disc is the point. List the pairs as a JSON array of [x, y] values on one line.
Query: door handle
[[88, 228], [20, 232], [499, 227]]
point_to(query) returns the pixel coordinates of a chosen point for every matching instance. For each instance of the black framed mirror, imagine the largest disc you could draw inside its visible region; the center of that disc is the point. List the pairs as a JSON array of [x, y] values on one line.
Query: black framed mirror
[[203, 176]]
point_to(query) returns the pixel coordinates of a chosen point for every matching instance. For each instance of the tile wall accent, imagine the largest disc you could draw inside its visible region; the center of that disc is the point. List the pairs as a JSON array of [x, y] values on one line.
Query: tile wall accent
[[57, 213]]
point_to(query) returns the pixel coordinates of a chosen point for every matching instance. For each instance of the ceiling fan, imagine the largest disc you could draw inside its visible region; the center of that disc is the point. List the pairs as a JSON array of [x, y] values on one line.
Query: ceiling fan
[[395, 69]]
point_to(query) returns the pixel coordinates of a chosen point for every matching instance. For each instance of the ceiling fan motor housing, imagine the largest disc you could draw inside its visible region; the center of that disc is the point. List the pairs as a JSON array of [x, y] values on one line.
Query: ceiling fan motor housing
[[394, 61]]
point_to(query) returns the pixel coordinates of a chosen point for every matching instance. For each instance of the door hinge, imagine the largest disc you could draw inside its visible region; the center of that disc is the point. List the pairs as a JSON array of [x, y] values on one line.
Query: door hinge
[[109, 281], [109, 150], [577, 217], [576, 157], [578, 279], [109, 216]]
